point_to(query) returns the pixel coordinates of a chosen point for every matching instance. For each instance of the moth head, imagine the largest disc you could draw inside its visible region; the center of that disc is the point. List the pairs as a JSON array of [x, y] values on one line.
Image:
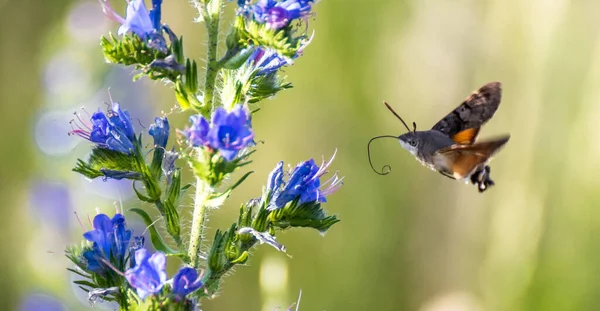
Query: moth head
[[410, 142]]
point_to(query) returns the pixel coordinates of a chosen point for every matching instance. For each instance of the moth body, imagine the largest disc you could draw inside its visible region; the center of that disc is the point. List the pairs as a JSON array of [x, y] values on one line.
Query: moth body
[[450, 146], [423, 146]]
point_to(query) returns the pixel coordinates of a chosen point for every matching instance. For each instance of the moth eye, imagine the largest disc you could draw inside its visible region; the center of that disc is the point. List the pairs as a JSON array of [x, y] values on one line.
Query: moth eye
[[413, 143]]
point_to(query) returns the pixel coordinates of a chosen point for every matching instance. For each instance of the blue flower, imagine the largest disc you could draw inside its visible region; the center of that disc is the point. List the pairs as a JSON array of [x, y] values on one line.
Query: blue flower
[[160, 132], [278, 14], [228, 132], [186, 281], [304, 183], [112, 130], [197, 134], [266, 61], [110, 239], [138, 19], [148, 276]]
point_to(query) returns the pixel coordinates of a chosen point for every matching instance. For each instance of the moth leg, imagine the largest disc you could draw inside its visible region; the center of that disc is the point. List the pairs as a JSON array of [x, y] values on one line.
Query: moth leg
[[482, 179]]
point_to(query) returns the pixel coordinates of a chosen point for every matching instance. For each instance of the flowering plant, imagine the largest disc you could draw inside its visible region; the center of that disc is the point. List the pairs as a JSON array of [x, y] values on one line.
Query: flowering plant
[[112, 263]]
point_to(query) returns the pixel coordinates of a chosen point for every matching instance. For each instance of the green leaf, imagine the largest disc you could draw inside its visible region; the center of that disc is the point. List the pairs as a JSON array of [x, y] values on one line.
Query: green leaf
[[141, 196], [80, 273], [157, 241], [218, 199], [157, 159], [172, 221], [85, 283], [237, 60]]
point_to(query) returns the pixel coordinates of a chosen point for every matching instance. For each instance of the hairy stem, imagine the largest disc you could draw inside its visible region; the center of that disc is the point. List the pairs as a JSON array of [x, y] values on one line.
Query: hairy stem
[[203, 192], [211, 13]]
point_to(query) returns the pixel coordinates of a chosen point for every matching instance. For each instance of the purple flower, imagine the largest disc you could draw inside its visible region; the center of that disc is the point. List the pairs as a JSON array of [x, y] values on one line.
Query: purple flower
[[148, 276], [186, 281], [110, 239], [278, 14], [228, 132], [112, 130], [304, 183], [160, 132], [138, 19], [266, 61]]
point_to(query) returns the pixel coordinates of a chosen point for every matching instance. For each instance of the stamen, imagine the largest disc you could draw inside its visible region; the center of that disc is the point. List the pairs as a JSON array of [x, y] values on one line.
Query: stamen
[[82, 121], [81, 223], [78, 131], [330, 190], [109, 94], [334, 177], [110, 12], [112, 267], [323, 169], [86, 112]]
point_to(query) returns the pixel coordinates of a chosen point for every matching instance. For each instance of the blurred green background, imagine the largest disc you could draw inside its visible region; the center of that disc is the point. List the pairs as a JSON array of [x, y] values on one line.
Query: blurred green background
[[412, 240]]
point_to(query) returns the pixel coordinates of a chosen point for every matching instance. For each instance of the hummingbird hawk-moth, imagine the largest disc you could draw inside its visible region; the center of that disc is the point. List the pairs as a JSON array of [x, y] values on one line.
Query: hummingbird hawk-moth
[[449, 147]]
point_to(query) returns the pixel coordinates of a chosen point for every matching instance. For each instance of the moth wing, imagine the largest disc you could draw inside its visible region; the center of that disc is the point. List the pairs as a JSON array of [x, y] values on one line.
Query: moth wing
[[466, 137], [475, 111], [462, 160]]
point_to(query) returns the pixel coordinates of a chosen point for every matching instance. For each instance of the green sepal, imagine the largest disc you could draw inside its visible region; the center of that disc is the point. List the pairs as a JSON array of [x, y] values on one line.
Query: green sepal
[[186, 88], [156, 239], [86, 170], [248, 32], [106, 159], [309, 215], [150, 181], [174, 188], [171, 203], [131, 50], [266, 86], [246, 85], [260, 222], [216, 262], [242, 259], [223, 250]]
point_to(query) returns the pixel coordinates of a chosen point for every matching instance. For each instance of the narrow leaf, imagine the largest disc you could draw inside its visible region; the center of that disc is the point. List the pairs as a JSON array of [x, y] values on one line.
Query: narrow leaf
[[155, 238]]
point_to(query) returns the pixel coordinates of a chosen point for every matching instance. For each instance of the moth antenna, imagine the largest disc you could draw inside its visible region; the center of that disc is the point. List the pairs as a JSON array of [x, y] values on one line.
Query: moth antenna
[[383, 169], [139, 122], [397, 116], [414, 127]]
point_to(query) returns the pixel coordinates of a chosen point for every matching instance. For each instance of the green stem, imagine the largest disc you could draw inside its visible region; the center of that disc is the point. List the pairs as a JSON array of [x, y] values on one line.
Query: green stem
[[203, 192], [211, 14]]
